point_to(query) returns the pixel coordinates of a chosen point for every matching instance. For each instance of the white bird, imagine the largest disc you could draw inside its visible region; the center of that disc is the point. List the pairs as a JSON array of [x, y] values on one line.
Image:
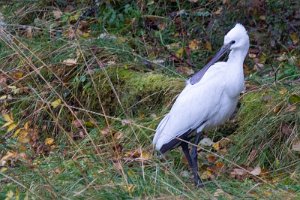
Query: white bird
[[209, 99]]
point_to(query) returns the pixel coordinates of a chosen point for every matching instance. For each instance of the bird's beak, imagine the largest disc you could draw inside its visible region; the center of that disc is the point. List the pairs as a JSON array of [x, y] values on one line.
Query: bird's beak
[[197, 77], [224, 49]]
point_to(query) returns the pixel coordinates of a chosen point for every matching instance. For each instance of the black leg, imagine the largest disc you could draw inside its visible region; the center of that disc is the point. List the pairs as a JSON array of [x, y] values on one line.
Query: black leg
[[194, 153], [186, 152]]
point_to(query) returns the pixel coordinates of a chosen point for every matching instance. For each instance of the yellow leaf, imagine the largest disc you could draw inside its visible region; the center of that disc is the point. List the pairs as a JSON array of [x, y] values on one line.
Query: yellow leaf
[[294, 37], [56, 103], [3, 169], [7, 124], [85, 34], [26, 125], [8, 118], [194, 44], [14, 89], [18, 75], [179, 52], [49, 141], [216, 146], [208, 46], [23, 137], [11, 127], [3, 97], [17, 133], [9, 195], [129, 188], [145, 156]]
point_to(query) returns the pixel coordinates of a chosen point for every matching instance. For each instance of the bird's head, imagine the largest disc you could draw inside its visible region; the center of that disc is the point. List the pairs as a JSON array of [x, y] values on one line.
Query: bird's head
[[237, 38]]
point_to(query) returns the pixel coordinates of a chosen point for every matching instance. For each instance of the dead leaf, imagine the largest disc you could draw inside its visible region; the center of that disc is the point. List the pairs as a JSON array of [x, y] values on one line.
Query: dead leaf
[[207, 174], [208, 46], [126, 122], [206, 142], [296, 146], [179, 52], [70, 62], [57, 14], [49, 141], [56, 103], [295, 38], [107, 130], [185, 70], [77, 123], [238, 173], [211, 158], [216, 146], [129, 188], [256, 171], [194, 44], [218, 12], [29, 32]]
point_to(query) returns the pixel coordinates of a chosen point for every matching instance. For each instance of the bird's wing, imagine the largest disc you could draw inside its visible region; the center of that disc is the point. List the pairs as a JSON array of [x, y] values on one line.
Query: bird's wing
[[195, 104]]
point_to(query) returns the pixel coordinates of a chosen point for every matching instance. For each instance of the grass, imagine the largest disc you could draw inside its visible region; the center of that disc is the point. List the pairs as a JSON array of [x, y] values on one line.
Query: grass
[[115, 94]]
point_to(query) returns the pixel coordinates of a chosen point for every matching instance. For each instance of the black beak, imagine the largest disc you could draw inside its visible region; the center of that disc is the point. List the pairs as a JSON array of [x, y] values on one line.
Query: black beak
[[197, 77]]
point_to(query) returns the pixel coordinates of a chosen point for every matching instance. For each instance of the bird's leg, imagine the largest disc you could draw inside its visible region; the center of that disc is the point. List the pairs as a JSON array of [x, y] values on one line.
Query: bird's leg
[[186, 152], [185, 149], [194, 156]]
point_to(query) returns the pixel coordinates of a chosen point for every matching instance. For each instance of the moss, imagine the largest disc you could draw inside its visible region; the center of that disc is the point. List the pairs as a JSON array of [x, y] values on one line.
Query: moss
[[138, 93]]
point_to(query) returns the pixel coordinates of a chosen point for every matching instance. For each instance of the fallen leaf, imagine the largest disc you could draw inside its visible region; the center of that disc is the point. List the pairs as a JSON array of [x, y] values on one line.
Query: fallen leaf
[[77, 123], [295, 38], [179, 52], [185, 70], [211, 158], [23, 137], [70, 62], [57, 14], [194, 44], [56, 103], [129, 188], [238, 173], [216, 146], [49, 141], [256, 171], [293, 99], [296, 146], [107, 130], [208, 46], [11, 127], [207, 174], [14, 89]]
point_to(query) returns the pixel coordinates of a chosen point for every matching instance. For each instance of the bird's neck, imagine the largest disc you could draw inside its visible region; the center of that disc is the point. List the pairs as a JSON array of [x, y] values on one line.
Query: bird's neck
[[237, 56]]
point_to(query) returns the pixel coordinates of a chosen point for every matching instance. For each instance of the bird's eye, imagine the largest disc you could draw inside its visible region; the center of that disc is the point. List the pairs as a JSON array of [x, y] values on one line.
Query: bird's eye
[[232, 42]]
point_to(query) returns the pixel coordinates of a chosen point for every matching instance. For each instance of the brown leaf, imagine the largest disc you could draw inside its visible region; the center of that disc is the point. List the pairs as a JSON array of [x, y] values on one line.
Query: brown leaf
[[211, 158], [208, 46], [238, 173], [185, 70]]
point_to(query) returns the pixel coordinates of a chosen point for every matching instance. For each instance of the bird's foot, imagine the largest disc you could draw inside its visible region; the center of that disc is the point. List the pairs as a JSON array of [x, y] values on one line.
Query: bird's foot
[[198, 182]]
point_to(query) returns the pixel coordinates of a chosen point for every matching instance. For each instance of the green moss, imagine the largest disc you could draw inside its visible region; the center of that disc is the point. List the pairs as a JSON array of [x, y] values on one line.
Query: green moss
[[138, 93]]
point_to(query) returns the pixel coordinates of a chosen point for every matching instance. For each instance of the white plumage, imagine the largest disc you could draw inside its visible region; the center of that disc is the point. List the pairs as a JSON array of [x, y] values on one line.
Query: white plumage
[[210, 96]]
